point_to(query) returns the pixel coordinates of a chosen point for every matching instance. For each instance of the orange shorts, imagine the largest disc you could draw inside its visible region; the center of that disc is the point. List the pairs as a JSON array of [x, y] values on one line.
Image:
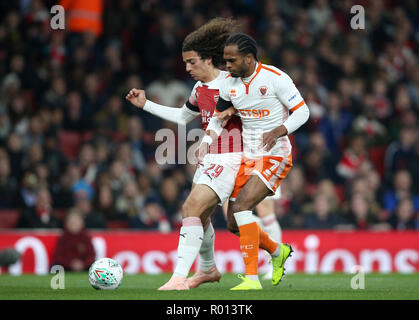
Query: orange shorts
[[271, 170]]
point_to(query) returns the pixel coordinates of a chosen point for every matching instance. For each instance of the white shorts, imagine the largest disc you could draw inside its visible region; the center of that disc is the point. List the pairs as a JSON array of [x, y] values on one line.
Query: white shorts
[[219, 172]]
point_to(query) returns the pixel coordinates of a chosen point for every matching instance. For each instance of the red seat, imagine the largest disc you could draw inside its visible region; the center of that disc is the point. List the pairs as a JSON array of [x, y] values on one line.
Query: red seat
[[69, 143], [60, 214], [117, 224], [9, 218]]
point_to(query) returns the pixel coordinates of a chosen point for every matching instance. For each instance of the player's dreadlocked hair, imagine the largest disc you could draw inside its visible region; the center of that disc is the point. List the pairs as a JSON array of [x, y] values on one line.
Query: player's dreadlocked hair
[[245, 44], [208, 41]]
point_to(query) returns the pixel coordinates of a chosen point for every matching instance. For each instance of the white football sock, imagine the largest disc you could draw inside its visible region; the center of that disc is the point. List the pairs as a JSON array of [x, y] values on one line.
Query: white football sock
[[258, 220], [190, 241], [206, 253], [271, 226]]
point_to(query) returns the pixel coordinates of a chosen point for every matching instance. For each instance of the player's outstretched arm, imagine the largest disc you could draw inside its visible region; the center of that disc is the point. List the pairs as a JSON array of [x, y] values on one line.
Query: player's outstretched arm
[[180, 116]]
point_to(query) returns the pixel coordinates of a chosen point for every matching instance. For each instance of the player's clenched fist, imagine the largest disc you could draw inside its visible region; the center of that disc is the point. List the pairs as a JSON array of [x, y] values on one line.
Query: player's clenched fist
[[136, 97]]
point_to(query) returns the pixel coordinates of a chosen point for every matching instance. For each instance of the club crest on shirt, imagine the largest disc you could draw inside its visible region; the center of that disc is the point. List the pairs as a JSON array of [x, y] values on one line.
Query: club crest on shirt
[[263, 90]]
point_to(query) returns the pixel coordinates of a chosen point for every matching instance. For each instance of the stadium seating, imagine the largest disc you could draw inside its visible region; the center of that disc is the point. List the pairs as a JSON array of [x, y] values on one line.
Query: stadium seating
[[69, 143], [9, 218]]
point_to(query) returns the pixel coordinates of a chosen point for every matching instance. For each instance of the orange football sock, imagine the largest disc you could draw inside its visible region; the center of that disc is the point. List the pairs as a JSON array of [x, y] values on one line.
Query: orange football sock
[[266, 242], [249, 245]]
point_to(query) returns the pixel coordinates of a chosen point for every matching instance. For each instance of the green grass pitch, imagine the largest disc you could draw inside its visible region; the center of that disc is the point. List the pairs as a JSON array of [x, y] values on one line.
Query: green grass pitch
[[144, 287]]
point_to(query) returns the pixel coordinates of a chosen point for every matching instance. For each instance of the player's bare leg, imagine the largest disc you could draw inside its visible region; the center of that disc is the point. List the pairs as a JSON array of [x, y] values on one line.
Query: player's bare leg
[[252, 236], [199, 202]]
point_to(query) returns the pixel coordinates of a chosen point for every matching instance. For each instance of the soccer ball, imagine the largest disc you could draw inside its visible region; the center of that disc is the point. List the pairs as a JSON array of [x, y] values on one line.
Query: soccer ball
[[105, 274]]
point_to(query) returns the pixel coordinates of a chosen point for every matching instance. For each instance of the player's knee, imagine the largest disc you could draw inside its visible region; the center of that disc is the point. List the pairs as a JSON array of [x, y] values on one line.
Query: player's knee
[[192, 207], [189, 208], [239, 206]]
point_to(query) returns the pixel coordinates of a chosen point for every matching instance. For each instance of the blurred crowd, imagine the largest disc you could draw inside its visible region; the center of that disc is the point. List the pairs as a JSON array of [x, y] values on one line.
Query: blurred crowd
[[69, 142]]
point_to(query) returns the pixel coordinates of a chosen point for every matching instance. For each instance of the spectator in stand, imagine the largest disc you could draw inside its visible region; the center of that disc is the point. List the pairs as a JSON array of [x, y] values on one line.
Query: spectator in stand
[[41, 215], [360, 216], [381, 102], [27, 194], [336, 123], [78, 184], [404, 217], [74, 250], [294, 197], [144, 186], [53, 157], [5, 124], [368, 125], [34, 155], [327, 188], [43, 174], [87, 163], [102, 150], [112, 119], [170, 201], [62, 194], [167, 91], [55, 96], [73, 113], [92, 218], [8, 185], [400, 153], [135, 137], [125, 156], [104, 203], [354, 159], [35, 132], [151, 217], [402, 189], [130, 202], [16, 154], [321, 216], [19, 115], [119, 175], [318, 160]]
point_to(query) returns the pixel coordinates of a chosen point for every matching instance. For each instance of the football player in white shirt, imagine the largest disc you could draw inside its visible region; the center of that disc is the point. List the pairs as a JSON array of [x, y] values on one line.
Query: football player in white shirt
[[202, 58], [263, 96]]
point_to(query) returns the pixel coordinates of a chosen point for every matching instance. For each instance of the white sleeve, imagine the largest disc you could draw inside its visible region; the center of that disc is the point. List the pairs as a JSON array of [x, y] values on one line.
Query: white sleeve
[[297, 118], [290, 97], [215, 125], [181, 116]]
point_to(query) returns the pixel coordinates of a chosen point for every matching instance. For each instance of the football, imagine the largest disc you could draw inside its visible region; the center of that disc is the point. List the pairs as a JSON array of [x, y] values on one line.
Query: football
[[105, 274]]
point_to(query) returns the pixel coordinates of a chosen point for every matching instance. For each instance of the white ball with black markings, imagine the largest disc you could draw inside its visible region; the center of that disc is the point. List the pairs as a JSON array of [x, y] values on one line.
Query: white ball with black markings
[[105, 274]]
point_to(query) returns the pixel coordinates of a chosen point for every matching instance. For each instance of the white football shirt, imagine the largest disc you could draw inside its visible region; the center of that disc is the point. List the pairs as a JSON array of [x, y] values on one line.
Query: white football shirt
[[264, 101]]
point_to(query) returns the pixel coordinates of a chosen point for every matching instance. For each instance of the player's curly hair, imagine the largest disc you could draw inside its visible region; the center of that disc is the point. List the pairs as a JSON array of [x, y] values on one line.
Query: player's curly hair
[[208, 40]]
